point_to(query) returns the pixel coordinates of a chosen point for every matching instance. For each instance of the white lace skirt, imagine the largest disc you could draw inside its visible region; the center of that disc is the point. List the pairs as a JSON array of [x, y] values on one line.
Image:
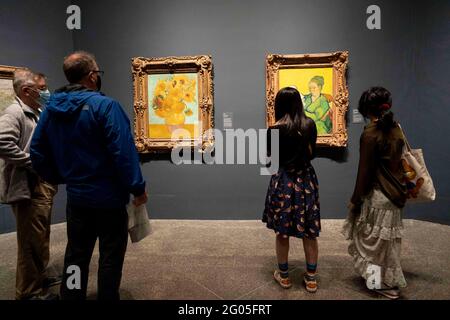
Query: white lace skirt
[[376, 236]]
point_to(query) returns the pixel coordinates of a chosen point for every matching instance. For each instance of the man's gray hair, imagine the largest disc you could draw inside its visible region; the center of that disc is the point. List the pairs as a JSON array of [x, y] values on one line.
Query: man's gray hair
[[22, 78]]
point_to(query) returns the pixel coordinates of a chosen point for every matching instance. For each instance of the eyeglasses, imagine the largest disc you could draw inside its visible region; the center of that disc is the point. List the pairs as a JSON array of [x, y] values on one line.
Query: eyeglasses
[[38, 89], [100, 72]]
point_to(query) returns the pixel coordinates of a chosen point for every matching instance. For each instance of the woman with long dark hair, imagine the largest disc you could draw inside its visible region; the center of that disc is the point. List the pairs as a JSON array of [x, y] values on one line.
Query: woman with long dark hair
[[374, 224], [292, 206]]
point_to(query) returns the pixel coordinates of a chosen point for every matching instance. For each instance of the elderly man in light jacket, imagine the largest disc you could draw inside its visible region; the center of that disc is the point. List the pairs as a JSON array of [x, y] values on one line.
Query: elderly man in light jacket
[[30, 197]]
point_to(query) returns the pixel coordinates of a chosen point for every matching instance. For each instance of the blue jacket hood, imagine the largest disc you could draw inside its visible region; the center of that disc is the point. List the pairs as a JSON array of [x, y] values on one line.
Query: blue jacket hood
[[67, 100]]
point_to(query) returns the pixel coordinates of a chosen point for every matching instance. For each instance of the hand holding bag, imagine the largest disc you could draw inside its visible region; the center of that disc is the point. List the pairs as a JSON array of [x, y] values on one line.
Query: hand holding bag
[[418, 180], [138, 222]]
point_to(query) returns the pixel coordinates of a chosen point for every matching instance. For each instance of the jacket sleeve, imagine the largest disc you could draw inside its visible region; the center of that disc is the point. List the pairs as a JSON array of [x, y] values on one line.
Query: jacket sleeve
[[10, 151], [41, 155], [120, 144], [366, 169]]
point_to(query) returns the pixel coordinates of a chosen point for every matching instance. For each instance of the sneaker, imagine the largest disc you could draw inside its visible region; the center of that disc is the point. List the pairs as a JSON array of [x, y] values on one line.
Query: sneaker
[[51, 281], [310, 282], [283, 282]]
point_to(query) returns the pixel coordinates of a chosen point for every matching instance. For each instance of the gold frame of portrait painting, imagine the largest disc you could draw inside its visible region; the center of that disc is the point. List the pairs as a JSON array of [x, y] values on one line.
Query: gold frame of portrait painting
[[7, 72], [337, 61], [173, 110]]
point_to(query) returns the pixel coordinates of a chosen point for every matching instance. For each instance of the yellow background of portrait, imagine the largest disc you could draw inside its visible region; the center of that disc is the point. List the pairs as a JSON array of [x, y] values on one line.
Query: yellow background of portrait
[[300, 78]]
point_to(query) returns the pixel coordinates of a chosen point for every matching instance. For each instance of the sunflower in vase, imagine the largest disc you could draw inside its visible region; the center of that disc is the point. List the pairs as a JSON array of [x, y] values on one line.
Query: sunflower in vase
[[171, 97]]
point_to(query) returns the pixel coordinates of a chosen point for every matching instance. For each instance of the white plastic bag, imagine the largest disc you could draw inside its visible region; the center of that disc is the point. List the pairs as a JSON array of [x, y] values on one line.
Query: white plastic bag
[[138, 222]]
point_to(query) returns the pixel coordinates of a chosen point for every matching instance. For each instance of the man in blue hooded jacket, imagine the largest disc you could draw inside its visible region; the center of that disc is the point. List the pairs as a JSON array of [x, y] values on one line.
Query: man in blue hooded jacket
[[84, 140]]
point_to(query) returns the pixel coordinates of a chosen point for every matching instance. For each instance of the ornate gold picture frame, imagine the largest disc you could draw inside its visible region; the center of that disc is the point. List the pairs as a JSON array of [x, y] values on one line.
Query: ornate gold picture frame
[[321, 80], [173, 102], [6, 86]]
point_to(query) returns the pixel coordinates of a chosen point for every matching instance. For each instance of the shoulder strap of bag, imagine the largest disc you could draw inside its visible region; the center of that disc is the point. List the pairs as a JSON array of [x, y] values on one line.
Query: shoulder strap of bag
[[408, 146]]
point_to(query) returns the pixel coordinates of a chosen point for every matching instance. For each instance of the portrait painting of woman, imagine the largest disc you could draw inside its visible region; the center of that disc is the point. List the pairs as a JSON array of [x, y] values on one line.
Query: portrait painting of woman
[[317, 105]]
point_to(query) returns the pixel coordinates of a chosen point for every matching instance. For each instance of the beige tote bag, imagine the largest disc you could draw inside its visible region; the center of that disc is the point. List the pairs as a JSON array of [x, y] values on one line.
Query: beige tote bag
[[418, 180]]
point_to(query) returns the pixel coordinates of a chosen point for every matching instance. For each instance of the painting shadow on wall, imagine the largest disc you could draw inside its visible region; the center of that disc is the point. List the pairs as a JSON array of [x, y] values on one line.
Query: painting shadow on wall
[[339, 155], [149, 157]]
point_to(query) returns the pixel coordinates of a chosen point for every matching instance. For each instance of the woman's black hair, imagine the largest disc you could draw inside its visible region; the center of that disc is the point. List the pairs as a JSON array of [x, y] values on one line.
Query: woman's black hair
[[289, 111], [376, 102]]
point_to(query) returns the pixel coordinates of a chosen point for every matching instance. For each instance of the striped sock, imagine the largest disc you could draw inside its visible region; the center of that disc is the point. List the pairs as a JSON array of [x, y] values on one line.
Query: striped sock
[[311, 268], [283, 267]]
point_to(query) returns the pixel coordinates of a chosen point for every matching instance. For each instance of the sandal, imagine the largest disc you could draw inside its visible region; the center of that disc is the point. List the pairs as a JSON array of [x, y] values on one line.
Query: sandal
[[283, 282], [392, 294], [310, 282]]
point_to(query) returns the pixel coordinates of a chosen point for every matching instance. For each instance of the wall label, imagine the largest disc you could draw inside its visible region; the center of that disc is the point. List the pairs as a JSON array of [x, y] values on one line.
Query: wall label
[[357, 117], [228, 120]]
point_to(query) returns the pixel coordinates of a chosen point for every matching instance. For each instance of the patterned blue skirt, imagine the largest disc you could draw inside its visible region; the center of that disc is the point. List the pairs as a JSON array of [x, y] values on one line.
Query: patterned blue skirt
[[292, 203]]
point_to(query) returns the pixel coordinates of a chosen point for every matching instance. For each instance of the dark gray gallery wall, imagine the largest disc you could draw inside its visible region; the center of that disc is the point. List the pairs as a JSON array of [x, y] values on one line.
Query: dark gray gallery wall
[[239, 35], [33, 34], [408, 56], [428, 115]]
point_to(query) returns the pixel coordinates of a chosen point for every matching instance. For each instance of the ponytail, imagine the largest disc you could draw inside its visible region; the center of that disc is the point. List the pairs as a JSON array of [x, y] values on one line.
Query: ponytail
[[386, 122]]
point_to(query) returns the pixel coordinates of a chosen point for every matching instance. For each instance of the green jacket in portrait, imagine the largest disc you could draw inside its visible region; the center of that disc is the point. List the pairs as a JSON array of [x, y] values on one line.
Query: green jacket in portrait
[[318, 111]]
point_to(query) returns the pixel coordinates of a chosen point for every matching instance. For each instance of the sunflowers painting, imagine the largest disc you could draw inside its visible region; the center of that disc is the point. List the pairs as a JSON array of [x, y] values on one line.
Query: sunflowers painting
[[173, 104]]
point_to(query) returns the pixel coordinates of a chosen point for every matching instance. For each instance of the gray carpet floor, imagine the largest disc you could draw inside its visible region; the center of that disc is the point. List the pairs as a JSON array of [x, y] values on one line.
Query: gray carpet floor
[[187, 259]]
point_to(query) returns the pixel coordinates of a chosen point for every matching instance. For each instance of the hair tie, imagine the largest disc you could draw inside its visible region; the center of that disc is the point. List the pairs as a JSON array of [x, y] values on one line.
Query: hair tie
[[385, 106]]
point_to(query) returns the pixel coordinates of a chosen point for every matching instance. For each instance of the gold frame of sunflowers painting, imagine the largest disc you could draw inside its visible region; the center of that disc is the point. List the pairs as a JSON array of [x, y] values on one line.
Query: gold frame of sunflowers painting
[[173, 102], [321, 80], [6, 86]]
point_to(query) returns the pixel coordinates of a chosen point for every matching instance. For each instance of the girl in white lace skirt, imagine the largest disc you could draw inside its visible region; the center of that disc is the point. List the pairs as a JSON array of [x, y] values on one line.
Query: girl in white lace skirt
[[374, 224]]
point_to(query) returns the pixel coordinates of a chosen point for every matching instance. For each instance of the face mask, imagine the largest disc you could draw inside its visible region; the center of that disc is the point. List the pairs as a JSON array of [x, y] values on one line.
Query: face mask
[[44, 96]]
